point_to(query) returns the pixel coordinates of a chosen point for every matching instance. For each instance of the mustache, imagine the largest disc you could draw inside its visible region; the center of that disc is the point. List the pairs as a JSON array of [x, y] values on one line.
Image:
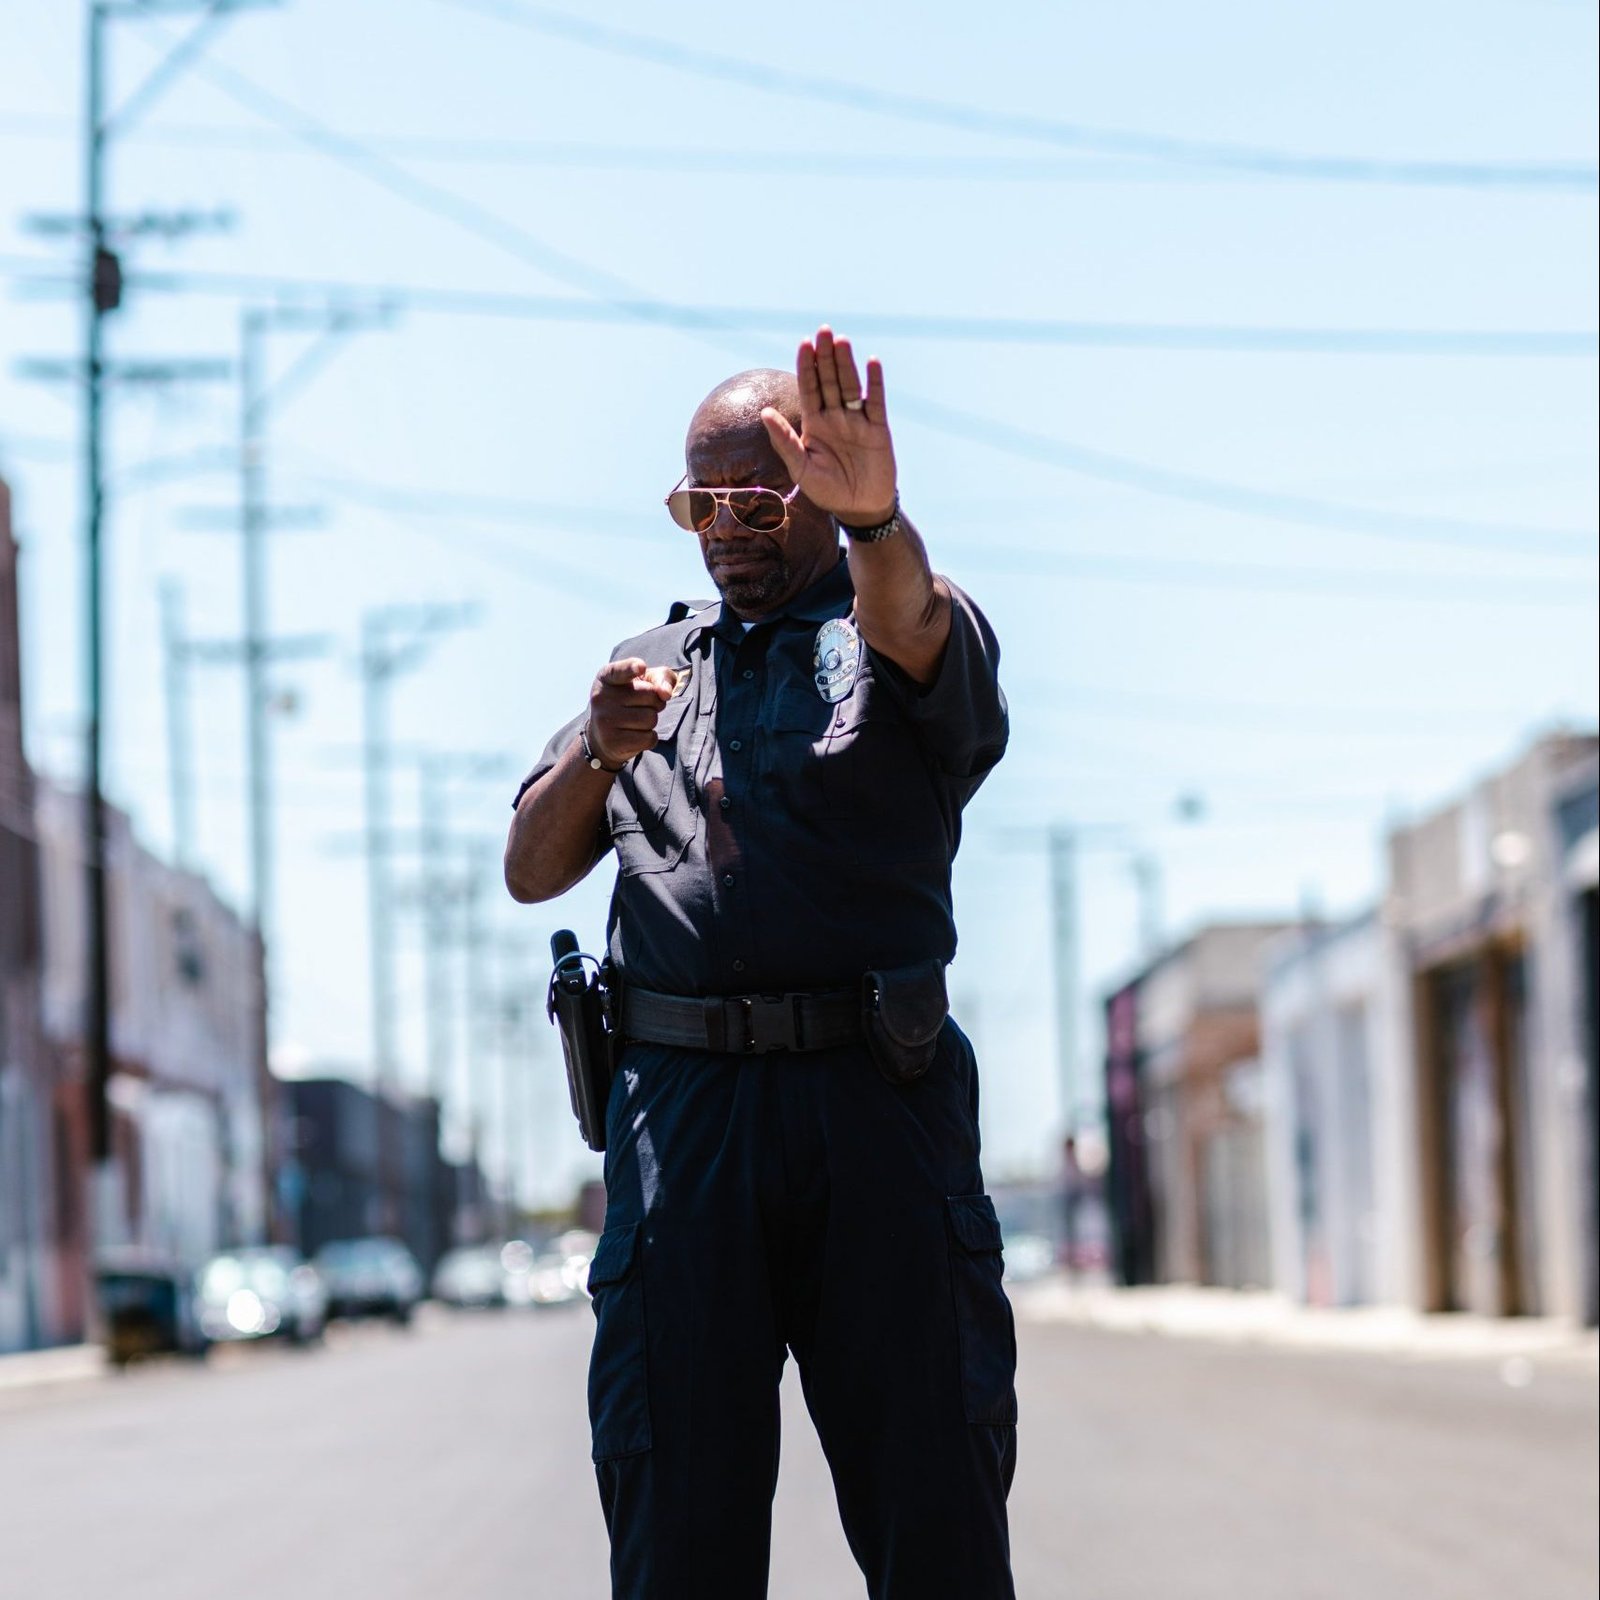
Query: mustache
[[749, 548]]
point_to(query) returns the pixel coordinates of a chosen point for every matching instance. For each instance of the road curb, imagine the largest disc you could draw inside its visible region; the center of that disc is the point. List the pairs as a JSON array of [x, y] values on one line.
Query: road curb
[[73, 1363], [1256, 1318]]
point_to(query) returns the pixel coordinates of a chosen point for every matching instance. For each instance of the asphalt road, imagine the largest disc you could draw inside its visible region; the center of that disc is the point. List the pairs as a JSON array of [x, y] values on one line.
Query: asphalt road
[[450, 1463]]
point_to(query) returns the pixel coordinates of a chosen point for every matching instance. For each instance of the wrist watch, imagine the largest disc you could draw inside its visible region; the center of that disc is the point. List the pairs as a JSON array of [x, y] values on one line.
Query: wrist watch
[[876, 535], [589, 756]]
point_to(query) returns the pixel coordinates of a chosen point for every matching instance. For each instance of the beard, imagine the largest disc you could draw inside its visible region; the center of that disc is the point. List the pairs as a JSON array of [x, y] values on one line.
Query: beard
[[756, 588]]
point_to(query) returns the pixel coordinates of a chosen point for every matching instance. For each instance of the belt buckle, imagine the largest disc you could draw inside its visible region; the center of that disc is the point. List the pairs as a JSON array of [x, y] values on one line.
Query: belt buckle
[[771, 1022]]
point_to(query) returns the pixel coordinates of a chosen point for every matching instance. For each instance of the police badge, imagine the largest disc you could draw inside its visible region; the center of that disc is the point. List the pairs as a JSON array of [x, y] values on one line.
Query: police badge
[[836, 659]]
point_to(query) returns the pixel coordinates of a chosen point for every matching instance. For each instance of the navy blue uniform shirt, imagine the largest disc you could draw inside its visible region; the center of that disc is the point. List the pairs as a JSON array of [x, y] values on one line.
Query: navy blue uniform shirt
[[772, 841]]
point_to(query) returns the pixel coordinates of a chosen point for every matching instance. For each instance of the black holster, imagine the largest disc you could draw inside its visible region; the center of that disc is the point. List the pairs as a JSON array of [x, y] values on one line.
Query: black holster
[[902, 1011], [580, 1005]]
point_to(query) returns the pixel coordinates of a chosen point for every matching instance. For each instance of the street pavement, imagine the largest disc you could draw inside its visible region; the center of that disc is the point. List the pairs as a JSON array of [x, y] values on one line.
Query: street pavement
[[450, 1463]]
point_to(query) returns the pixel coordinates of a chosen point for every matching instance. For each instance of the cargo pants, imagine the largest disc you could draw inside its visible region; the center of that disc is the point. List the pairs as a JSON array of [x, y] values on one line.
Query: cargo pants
[[763, 1204]]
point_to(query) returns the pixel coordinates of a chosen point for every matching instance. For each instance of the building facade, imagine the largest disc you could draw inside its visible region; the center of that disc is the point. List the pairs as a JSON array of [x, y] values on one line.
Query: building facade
[[1573, 962], [360, 1164], [32, 1312], [1184, 1091], [1488, 919], [187, 1107], [1342, 1117]]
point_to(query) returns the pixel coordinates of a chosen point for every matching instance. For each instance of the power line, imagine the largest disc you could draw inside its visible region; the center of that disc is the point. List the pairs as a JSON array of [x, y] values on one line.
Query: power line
[[1244, 160], [1377, 721], [491, 151], [440, 201], [1221, 495], [1094, 464], [1157, 572], [1235, 338], [1103, 466]]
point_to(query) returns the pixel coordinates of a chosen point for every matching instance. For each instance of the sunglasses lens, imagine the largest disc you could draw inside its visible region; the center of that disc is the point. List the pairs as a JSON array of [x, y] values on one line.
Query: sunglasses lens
[[693, 509], [760, 510]]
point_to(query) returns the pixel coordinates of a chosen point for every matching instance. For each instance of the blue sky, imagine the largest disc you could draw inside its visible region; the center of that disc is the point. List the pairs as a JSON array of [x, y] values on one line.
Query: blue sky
[[1310, 672]]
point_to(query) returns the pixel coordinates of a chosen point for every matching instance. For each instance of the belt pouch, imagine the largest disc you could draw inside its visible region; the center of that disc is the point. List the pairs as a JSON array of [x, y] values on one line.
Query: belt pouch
[[902, 1011]]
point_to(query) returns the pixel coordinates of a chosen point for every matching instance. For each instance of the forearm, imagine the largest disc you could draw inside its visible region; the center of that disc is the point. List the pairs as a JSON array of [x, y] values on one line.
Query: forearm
[[902, 609], [551, 845]]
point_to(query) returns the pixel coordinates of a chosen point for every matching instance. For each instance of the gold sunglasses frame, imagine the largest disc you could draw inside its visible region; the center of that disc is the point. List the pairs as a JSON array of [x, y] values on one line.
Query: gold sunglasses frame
[[720, 496]]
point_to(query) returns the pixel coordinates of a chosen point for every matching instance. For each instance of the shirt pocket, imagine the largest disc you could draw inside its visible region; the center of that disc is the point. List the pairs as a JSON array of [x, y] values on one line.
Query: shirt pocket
[[650, 811], [796, 743], [869, 774]]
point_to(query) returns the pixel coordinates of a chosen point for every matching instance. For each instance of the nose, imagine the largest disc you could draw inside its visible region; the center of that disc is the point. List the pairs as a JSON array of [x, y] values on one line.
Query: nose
[[727, 524]]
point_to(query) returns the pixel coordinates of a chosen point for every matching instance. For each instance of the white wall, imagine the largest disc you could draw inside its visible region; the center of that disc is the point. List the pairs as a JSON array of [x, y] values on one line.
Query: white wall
[[1335, 1021]]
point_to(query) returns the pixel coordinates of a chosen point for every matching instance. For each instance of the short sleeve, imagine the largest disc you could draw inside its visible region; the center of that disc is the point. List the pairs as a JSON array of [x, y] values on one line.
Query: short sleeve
[[960, 716], [552, 753]]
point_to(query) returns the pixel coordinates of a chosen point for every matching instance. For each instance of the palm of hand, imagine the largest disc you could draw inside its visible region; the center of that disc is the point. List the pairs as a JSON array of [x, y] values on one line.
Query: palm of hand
[[843, 456]]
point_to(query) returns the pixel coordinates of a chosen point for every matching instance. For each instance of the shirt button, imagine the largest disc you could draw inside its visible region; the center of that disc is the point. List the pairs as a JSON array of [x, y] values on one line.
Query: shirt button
[[748, 674], [725, 803], [727, 880], [738, 966], [736, 744]]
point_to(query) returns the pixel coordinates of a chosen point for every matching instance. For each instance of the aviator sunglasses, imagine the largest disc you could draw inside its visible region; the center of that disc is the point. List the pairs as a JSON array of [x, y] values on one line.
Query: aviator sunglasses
[[759, 510]]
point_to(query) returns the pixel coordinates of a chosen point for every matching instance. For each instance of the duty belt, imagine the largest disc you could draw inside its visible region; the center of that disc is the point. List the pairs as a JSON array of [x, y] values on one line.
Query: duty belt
[[743, 1024]]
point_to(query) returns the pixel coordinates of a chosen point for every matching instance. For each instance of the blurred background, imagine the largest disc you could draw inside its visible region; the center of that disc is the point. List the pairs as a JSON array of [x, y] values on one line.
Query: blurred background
[[1241, 361]]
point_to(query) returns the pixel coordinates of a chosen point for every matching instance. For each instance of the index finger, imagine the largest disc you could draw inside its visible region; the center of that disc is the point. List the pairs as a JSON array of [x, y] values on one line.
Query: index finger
[[621, 673]]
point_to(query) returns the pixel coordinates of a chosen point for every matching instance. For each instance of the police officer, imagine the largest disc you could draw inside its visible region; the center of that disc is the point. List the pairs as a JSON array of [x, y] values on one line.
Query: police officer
[[792, 1134]]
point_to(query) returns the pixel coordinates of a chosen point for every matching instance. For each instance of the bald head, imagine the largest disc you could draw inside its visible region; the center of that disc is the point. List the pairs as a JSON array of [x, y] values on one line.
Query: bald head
[[728, 447], [733, 409]]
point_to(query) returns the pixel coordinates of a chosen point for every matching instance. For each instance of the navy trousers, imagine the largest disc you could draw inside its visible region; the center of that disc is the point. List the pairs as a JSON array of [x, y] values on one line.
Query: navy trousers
[[764, 1204]]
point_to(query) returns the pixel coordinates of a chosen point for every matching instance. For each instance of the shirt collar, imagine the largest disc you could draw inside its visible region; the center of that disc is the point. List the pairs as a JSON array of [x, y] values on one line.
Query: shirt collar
[[830, 596]]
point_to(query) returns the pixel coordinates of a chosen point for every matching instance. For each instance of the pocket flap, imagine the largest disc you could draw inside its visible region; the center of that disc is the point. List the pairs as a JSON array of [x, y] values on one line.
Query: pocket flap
[[672, 713], [910, 1002], [798, 708], [972, 1220], [613, 1256]]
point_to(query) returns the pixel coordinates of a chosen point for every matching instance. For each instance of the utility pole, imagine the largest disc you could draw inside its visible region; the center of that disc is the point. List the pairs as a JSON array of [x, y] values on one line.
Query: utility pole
[[180, 768], [103, 286], [515, 1006], [1146, 868], [1063, 849], [477, 1033], [394, 639], [442, 890], [260, 397]]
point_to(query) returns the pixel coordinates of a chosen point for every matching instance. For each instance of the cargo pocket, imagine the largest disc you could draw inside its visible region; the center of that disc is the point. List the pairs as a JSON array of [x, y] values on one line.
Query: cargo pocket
[[984, 1324], [619, 1401]]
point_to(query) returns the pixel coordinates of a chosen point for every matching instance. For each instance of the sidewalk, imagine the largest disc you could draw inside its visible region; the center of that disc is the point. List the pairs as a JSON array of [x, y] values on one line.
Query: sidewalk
[[69, 1363], [1262, 1318]]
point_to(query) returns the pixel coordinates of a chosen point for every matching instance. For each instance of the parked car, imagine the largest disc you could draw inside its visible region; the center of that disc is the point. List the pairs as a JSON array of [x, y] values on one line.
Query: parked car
[[259, 1294], [470, 1276], [1028, 1256], [370, 1278], [148, 1308], [557, 1280]]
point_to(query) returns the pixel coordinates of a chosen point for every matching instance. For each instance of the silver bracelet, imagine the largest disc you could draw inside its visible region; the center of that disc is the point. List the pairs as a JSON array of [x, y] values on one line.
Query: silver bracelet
[[884, 530]]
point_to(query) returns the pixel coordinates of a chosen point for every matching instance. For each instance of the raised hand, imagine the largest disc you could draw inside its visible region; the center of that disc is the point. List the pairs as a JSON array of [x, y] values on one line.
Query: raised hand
[[842, 458]]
